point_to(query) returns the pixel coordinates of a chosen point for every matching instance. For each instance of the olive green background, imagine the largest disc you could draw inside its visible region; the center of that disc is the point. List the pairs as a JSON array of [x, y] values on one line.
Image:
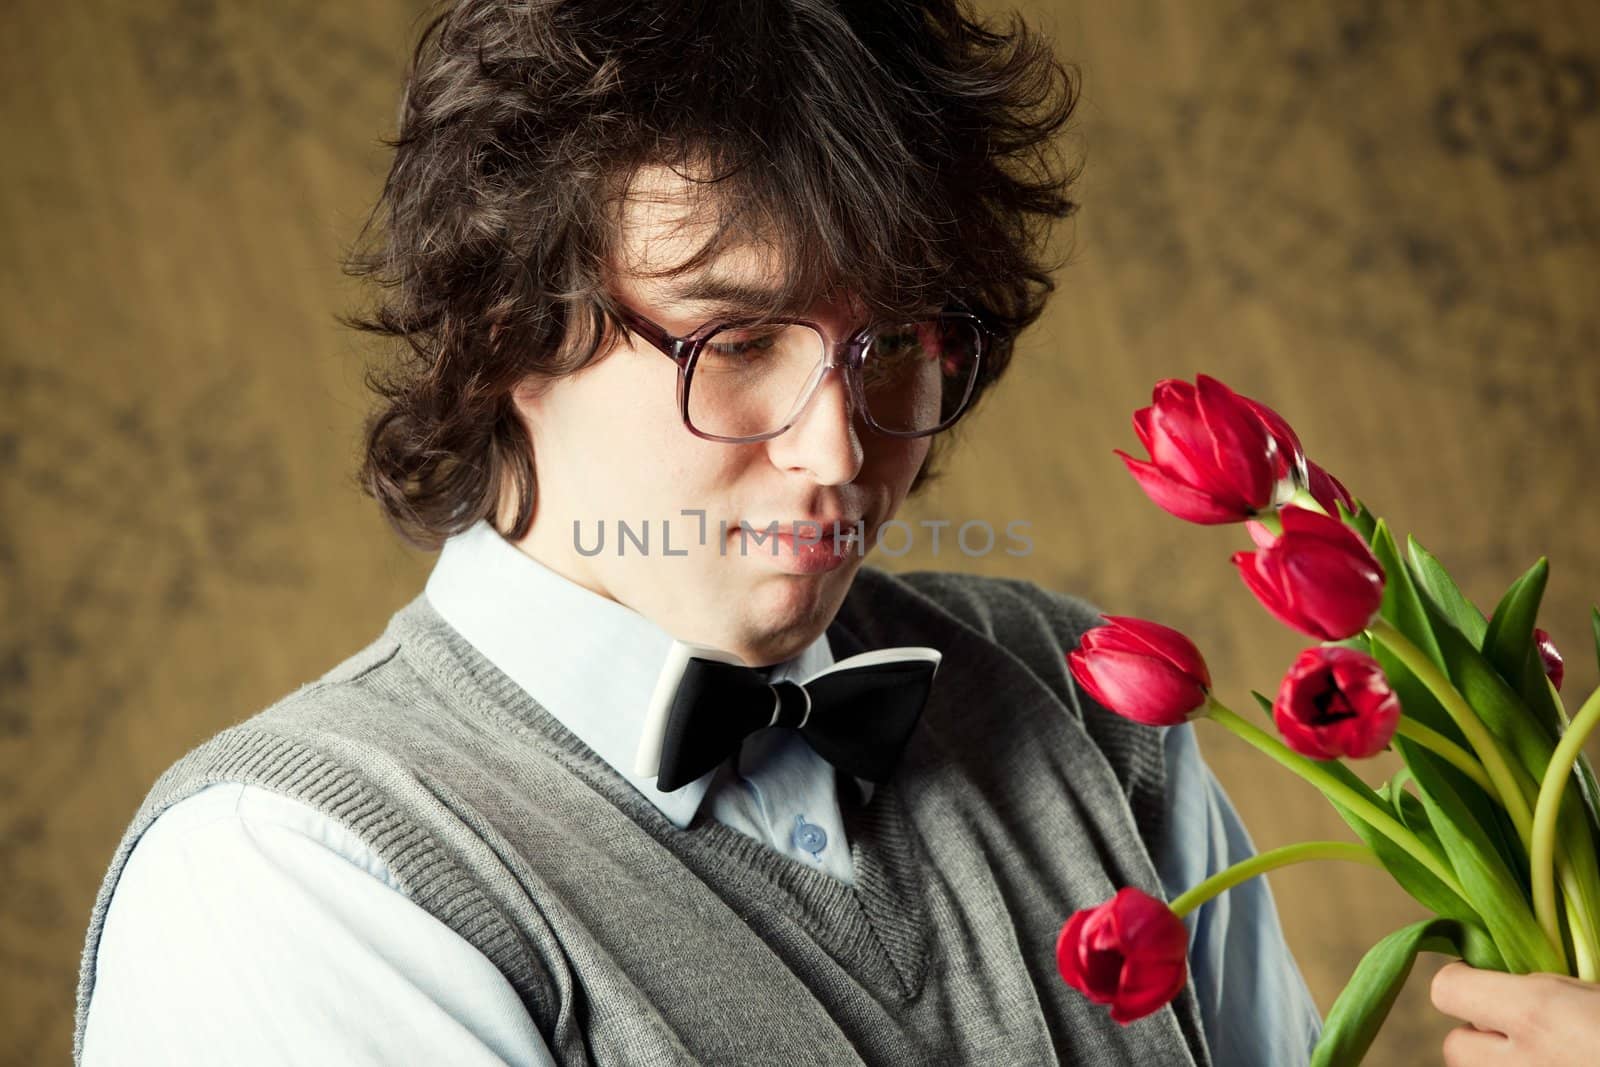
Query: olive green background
[[1381, 219]]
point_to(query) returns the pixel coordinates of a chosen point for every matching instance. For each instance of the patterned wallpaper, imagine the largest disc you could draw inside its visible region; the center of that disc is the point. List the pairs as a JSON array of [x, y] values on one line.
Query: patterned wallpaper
[[1382, 219]]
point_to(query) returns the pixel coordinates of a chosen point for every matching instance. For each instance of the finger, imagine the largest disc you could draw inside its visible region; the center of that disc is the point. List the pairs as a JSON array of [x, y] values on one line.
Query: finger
[[1466, 1047], [1488, 1000]]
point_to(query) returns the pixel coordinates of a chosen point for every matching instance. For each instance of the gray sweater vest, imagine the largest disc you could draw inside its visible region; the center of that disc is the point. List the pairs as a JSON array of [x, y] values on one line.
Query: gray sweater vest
[[630, 941]]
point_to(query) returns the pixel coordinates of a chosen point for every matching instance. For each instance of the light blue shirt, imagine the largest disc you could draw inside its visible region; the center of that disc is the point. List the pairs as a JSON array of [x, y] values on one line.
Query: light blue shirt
[[246, 920]]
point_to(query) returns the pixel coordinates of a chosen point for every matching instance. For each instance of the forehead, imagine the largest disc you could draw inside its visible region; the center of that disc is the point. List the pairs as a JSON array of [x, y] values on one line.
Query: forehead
[[680, 240]]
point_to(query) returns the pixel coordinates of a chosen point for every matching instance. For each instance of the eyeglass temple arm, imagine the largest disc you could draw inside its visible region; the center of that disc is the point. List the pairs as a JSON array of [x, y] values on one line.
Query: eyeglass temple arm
[[670, 346]]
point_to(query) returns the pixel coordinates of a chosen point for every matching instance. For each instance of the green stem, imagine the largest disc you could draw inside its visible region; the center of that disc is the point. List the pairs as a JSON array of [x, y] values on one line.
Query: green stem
[[1483, 743], [1263, 862], [1442, 746], [1541, 852], [1303, 499], [1582, 951], [1334, 789]]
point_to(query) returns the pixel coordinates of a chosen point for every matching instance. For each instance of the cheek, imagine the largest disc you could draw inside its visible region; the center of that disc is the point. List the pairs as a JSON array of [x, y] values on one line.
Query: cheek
[[901, 460], [664, 463]]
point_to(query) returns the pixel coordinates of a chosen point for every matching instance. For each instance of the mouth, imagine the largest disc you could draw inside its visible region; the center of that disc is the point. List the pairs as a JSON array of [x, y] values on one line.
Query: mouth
[[804, 546]]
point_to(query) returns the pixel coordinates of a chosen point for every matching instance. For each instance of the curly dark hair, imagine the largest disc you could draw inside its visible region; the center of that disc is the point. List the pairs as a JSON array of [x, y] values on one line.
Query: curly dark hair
[[903, 149]]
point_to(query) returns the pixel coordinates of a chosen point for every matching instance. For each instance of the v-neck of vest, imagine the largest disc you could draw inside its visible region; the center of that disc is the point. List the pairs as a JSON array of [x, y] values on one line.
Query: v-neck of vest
[[878, 927]]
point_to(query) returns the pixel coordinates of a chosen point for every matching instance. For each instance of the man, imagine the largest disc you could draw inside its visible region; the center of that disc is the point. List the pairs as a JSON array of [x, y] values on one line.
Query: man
[[709, 269]]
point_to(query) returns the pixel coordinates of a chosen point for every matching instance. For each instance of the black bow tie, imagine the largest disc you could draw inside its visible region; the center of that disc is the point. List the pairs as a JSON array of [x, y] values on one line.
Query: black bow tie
[[857, 715]]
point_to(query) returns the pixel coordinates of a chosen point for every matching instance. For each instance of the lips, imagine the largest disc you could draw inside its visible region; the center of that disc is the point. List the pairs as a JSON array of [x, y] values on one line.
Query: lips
[[844, 522]]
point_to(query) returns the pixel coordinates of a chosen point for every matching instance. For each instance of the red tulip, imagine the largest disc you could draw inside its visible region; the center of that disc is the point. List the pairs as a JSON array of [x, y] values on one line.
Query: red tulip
[[1130, 952], [1318, 577], [1554, 666], [1212, 458], [1141, 670], [1336, 702]]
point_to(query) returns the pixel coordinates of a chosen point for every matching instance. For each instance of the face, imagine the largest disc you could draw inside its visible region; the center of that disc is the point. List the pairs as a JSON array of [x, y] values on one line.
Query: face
[[609, 444]]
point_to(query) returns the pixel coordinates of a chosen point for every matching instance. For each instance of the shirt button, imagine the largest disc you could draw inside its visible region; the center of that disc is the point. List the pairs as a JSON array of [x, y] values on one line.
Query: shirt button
[[809, 836]]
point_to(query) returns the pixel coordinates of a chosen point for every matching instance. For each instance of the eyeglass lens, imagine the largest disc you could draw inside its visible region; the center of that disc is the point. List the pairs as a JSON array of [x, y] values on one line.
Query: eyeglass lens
[[752, 380]]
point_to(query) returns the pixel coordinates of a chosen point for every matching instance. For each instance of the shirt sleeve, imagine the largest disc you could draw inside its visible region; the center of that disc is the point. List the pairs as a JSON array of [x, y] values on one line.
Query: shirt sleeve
[[1255, 1007], [248, 928]]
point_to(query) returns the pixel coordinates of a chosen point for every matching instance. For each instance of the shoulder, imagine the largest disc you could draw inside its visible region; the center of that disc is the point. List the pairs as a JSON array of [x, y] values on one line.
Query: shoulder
[[1035, 625], [301, 914], [182, 840], [997, 607]]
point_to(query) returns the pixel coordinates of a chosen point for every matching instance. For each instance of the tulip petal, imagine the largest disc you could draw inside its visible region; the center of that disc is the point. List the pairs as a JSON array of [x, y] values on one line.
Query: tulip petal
[[1079, 664], [1178, 438], [1178, 499], [1555, 668], [1180, 445], [1164, 641], [1290, 452], [1259, 533], [1300, 520], [1129, 952], [1140, 687], [1327, 490], [1141, 427], [1336, 702], [1338, 594], [1067, 955], [1267, 592], [1241, 448]]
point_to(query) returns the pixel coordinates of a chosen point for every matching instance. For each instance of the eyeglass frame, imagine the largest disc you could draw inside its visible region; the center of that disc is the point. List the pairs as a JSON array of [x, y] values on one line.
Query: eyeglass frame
[[685, 351]]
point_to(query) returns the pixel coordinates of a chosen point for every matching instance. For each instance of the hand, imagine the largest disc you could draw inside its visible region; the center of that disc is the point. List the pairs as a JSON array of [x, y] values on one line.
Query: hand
[[1530, 1020]]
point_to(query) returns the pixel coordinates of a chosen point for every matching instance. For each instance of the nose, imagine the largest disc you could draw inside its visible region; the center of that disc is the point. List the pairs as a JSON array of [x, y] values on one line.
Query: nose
[[824, 439]]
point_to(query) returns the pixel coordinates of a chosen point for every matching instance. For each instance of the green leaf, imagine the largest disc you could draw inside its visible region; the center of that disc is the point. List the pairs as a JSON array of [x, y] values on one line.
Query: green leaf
[[1421, 621], [1505, 683], [1409, 810], [1418, 882], [1594, 621], [1361, 1008], [1423, 886], [1418, 703], [1508, 720], [1495, 890], [1264, 703], [1445, 594], [1499, 707], [1362, 520], [1508, 646], [1402, 604]]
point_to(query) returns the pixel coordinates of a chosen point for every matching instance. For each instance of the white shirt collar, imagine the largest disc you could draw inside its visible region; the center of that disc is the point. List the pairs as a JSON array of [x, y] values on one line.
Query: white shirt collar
[[591, 662]]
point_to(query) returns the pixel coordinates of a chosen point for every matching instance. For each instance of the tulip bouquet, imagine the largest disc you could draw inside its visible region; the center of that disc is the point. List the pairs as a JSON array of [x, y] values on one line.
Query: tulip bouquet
[[1492, 824]]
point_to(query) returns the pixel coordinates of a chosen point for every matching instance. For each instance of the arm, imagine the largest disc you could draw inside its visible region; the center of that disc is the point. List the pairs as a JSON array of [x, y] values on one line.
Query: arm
[[248, 927], [1254, 1003]]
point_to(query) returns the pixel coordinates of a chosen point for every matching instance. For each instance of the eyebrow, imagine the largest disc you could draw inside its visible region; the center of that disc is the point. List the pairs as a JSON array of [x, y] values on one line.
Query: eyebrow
[[725, 293]]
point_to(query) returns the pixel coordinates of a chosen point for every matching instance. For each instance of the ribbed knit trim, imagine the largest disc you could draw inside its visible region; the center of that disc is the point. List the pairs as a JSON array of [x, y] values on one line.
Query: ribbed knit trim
[[420, 866]]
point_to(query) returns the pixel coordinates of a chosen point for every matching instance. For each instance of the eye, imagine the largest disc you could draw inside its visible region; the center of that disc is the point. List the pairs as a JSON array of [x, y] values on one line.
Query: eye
[[744, 346]]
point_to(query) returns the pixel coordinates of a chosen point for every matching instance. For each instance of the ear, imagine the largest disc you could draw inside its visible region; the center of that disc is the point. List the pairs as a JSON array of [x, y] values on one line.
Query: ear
[[527, 396]]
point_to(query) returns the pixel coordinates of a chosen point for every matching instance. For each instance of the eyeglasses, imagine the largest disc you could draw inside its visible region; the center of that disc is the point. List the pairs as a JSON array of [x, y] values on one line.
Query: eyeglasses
[[750, 380]]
